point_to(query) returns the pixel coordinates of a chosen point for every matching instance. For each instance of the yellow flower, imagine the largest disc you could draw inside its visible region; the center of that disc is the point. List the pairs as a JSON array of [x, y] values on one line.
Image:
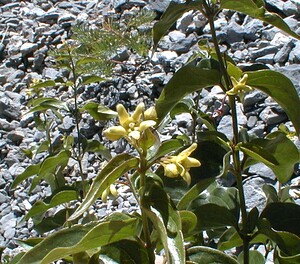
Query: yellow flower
[[131, 126], [180, 165], [110, 189], [240, 87]]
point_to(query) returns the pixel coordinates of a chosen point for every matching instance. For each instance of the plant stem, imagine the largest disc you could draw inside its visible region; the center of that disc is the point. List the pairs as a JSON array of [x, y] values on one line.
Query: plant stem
[[235, 153], [146, 231]]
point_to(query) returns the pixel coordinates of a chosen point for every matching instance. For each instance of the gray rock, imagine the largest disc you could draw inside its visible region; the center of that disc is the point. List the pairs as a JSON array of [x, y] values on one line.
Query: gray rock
[[294, 56], [254, 98], [258, 130], [9, 110], [270, 117], [49, 18], [263, 52], [289, 8], [185, 21], [267, 59], [3, 198], [159, 5], [252, 29], [251, 122], [16, 136], [263, 171], [234, 32], [225, 126], [27, 48], [293, 73], [282, 55], [123, 54]]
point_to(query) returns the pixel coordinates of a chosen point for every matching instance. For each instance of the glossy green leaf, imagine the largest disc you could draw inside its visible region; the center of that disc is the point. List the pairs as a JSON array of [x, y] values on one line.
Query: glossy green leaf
[[91, 79], [95, 146], [166, 221], [44, 84], [211, 216], [193, 193], [124, 251], [79, 238], [58, 199], [186, 80], [255, 257], [254, 8], [288, 243], [31, 170], [99, 112], [42, 104], [281, 148], [281, 258], [114, 169], [170, 16], [274, 212], [208, 255], [281, 89], [184, 106], [188, 222], [229, 239]]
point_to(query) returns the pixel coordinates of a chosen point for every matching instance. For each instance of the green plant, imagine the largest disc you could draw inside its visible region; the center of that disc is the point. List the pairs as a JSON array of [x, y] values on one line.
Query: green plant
[[184, 213]]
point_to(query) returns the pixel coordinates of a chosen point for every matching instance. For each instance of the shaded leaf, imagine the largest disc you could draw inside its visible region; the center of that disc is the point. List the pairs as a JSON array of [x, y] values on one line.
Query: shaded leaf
[[188, 222], [91, 79], [95, 146], [115, 168], [98, 111], [255, 257], [209, 255]]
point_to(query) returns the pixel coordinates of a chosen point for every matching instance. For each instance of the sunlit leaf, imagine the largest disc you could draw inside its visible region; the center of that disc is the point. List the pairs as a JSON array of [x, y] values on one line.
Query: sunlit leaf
[[202, 254], [108, 175], [255, 8], [98, 111], [86, 60], [96, 147], [281, 89], [188, 79], [47, 83], [91, 79]]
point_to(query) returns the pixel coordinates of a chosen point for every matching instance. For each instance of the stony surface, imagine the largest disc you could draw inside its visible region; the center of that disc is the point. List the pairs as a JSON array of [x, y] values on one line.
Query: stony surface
[[29, 29]]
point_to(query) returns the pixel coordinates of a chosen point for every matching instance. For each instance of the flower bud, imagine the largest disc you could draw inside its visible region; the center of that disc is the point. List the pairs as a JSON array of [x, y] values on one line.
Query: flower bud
[[122, 114], [150, 113], [115, 133]]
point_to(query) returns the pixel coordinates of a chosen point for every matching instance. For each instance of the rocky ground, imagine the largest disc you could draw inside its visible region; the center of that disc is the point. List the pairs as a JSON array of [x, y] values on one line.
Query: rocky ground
[[29, 29]]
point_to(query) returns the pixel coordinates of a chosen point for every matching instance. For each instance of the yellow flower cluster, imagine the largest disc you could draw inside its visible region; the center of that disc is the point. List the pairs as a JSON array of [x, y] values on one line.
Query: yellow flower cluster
[[131, 126], [240, 87], [180, 165]]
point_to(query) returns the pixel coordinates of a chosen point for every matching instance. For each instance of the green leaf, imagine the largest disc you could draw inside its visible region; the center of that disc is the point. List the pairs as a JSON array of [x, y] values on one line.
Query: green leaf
[[42, 104], [95, 146], [281, 89], [270, 193], [188, 222], [79, 238], [230, 239], [31, 170], [186, 80], [99, 112], [281, 148], [86, 60], [283, 217], [114, 169], [170, 16], [209, 255], [283, 259], [193, 193], [58, 199], [252, 219], [44, 84], [124, 251], [255, 257], [255, 8], [91, 79], [184, 106]]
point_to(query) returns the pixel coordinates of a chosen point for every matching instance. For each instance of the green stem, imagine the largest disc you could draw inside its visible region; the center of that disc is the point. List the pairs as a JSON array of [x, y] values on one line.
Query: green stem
[[236, 155], [146, 230]]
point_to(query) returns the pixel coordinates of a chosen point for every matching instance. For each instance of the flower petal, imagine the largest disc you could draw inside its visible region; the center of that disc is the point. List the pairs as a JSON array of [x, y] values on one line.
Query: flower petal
[[190, 162], [187, 152], [138, 111], [146, 124], [150, 113], [122, 114], [115, 132], [171, 170], [135, 135], [187, 177]]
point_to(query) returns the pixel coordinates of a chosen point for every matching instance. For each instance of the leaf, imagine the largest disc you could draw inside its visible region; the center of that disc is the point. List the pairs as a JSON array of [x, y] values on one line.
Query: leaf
[[115, 168], [31, 170], [255, 8], [282, 149], [193, 193], [91, 79], [229, 239], [281, 89], [186, 80], [270, 193], [86, 60], [124, 251], [44, 84], [79, 238], [255, 257], [58, 199], [99, 112], [209, 255], [188, 222], [283, 259], [283, 217], [96, 147], [42, 104], [170, 16]]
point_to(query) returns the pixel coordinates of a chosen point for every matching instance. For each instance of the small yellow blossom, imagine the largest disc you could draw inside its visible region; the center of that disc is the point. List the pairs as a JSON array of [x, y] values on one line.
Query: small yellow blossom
[[131, 126], [180, 165], [240, 87]]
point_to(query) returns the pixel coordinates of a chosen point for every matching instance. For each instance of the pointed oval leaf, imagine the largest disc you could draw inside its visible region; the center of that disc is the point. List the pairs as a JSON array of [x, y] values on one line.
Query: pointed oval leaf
[[281, 89], [58, 199], [91, 79], [202, 254], [108, 175], [255, 257], [256, 9], [44, 84], [188, 222], [99, 112], [188, 79], [87, 60]]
